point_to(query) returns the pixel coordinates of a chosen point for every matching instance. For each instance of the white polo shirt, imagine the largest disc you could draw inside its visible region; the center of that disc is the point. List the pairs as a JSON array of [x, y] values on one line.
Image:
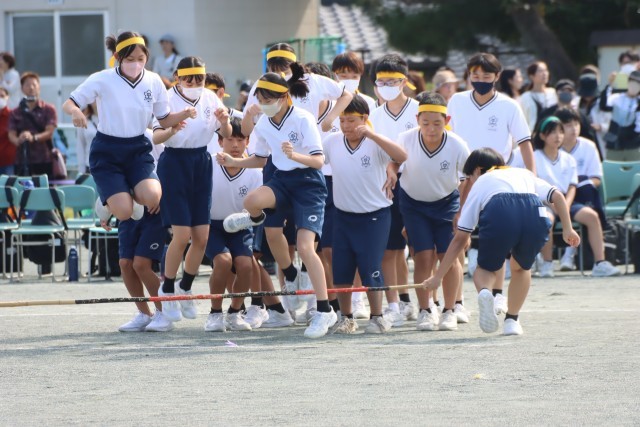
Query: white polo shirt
[[126, 108], [199, 131], [298, 127], [510, 180], [387, 124], [228, 192], [496, 124], [431, 176], [587, 159], [358, 174], [560, 172]]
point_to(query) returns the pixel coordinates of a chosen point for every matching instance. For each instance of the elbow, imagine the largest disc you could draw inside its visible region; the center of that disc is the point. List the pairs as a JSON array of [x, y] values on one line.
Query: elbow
[[401, 157]]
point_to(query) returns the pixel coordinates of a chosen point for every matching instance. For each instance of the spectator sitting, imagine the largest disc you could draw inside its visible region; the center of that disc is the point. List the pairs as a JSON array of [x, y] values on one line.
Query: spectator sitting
[[10, 78]]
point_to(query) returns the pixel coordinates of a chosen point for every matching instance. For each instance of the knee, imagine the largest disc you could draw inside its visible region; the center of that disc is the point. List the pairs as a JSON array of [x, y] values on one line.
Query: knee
[[251, 201], [199, 240], [121, 211], [141, 265], [222, 262], [243, 264], [126, 265], [306, 249]]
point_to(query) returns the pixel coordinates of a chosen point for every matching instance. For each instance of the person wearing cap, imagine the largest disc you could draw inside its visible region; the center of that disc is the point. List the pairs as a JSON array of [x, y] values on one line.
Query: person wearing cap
[[623, 136], [165, 65], [589, 105], [445, 83]]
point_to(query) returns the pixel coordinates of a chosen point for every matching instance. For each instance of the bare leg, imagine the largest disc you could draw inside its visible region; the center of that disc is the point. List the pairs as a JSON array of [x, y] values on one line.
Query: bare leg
[[133, 284], [518, 287]]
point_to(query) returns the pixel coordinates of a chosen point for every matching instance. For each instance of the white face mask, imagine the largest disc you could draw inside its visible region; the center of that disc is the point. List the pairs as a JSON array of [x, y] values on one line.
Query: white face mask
[[627, 68], [3, 102], [270, 110], [389, 93], [192, 93], [633, 88], [132, 69], [351, 85]]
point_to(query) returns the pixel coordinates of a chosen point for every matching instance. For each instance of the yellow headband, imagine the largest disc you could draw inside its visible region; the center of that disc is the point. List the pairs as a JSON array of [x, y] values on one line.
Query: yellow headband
[[368, 122], [194, 71], [394, 75], [429, 108], [272, 86], [129, 42], [214, 88], [281, 54]]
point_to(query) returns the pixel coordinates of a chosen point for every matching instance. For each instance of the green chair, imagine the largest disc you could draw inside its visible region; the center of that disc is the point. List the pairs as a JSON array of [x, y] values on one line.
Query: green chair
[[40, 199], [616, 177], [8, 200], [80, 198], [631, 221]]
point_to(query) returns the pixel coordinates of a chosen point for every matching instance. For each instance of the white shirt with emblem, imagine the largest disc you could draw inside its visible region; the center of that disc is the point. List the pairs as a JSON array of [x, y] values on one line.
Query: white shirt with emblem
[[431, 176], [495, 124], [199, 131], [228, 192], [509, 180], [298, 127], [358, 174], [587, 159], [561, 172], [126, 108], [387, 124]]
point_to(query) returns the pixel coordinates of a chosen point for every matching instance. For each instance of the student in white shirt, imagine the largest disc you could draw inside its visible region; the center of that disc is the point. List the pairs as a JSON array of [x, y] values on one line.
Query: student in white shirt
[[359, 158], [291, 136], [396, 115], [559, 168], [349, 69], [505, 204], [429, 200], [185, 174], [128, 97]]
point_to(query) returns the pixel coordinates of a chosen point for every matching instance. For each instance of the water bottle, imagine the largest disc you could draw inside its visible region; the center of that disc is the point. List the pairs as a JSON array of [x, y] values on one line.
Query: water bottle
[[73, 264]]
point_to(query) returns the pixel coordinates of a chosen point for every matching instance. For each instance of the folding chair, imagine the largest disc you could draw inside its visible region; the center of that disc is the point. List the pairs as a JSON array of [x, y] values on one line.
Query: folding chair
[[616, 177], [40, 199], [80, 198], [96, 234], [8, 199]]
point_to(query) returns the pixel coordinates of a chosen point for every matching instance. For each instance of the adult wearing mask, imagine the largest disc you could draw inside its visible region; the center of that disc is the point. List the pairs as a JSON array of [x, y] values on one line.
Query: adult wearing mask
[[10, 79], [165, 65]]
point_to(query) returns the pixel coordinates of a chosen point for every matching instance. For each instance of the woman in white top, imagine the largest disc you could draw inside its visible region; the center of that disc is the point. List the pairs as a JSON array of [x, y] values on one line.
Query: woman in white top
[[84, 137], [165, 65], [538, 97], [10, 79]]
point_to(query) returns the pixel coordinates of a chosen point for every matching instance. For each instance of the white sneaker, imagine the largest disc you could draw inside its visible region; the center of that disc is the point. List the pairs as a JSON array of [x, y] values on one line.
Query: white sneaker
[[359, 309], [462, 314], [507, 270], [159, 323], [408, 310], [472, 261], [304, 284], [138, 211], [394, 317], [448, 321], [377, 325], [537, 265], [236, 322], [170, 309], [546, 270], [428, 321], [239, 221], [256, 316], [604, 269], [137, 324], [187, 307], [304, 318], [345, 326], [102, 211], [567, 261], [512, 327], [487, 312], [215, 323], [320, 324], [277, 320], [500, 304], [293, 302]]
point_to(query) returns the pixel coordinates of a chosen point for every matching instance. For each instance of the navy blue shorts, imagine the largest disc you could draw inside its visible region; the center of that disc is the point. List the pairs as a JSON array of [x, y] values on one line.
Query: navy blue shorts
[[573, 210], [119, 164], [279, 217], [396, 240], [303, 191], [429, 224], [185, 175], [239, 244], [144, 238], [515, 223], [360, 241], [329, 214]]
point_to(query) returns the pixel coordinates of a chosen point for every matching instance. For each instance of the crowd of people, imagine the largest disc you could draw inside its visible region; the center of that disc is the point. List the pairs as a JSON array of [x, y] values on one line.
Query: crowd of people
[[482, 165]]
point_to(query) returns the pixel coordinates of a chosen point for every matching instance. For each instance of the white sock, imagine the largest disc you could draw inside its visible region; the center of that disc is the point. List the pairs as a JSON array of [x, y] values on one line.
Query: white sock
[[570, 251], [395, 307]]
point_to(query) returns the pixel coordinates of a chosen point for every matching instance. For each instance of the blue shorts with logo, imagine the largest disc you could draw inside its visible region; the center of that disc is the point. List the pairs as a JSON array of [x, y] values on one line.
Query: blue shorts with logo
[[119, 164], [359, 242], [144, 238], [396, 240], [239, 244], [511, 223], [429, 224], [277, 218], [185, 175]]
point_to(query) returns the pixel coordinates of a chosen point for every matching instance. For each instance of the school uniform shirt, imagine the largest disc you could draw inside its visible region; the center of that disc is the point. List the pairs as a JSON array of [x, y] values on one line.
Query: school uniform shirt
[[560, 172], [431, 176], [370, 101], [358, 174], [320, 88], [516, 160], [387, 124], [509, 180], [534, 103], [126, 108], [587, 160], [199, 131], [298, 127], [228, 192], [496, 124], [326, 168]]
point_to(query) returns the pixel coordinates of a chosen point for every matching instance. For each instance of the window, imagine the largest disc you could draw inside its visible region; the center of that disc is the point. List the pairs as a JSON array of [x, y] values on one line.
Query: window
[[82, 44], [34, 44]]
